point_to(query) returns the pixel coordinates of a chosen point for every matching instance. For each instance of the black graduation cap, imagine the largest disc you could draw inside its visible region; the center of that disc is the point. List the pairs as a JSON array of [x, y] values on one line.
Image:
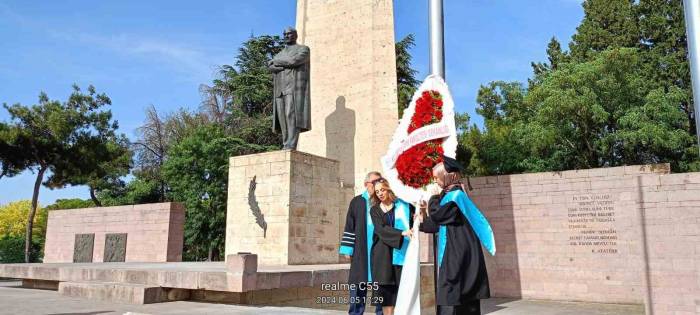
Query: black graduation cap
[[451, 165]]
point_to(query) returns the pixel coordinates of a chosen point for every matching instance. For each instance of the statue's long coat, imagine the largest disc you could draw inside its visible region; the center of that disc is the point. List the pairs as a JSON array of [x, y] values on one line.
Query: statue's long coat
[[295, 60]]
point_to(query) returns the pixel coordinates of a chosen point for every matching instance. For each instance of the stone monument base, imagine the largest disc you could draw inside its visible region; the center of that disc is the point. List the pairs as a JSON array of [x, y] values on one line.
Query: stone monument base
[[286, 207]]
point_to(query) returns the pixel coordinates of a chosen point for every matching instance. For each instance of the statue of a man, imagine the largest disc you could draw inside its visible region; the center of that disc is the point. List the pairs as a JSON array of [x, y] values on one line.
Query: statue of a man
[[291, 111]]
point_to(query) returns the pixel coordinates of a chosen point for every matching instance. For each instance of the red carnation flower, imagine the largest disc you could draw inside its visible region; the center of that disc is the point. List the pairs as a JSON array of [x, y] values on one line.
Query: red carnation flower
[[415, 165]]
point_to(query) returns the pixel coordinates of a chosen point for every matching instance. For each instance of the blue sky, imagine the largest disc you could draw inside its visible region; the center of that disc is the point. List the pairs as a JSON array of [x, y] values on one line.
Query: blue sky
[[158, 52]]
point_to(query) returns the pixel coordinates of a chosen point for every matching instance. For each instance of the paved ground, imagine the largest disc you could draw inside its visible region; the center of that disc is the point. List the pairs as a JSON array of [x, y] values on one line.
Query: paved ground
[[17, 300]]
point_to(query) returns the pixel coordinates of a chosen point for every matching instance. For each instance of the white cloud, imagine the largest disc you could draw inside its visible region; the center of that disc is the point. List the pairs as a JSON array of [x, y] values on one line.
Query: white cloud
[[187, 59]]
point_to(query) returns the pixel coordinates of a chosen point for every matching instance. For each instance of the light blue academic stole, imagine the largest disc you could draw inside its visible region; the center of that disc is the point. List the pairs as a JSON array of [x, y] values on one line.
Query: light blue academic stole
[[481, 226], [402, 213], [370, 232]]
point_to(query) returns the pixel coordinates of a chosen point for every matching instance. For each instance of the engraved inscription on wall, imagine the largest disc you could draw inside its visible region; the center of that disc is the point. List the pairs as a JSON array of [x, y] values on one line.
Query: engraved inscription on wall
[[592, 223], [115, 247], [82, 249]]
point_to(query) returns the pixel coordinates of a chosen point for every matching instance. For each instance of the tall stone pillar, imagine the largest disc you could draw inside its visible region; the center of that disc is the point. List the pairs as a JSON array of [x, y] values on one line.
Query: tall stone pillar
[[353, 82]]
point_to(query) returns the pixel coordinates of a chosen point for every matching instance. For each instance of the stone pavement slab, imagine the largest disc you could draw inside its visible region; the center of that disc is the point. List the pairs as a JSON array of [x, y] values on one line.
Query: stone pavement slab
[[500, 306], [17, 300]]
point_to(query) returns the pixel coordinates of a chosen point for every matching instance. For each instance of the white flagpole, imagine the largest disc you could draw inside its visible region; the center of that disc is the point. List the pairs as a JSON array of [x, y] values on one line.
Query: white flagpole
[[437, 42], [437, 67], [692, 23]]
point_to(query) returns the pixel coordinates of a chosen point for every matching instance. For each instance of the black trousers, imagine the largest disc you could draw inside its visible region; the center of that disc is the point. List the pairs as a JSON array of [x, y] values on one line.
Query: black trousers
[[470, 308]]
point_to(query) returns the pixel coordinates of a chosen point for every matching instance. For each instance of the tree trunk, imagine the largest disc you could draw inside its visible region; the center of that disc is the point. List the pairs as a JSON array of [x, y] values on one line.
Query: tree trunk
[[215, 256], [32, 213], [211, 253], [94, 198]]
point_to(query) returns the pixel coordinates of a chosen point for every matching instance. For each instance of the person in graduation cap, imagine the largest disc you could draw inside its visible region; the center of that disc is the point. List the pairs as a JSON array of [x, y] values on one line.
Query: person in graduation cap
[[461, 280], [355, 244], [392, 219]]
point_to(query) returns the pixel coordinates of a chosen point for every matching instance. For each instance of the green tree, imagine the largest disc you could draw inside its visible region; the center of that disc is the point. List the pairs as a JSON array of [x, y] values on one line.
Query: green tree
[[555, 56], [137, 191], [664, 50], [12, 250], [12, 160], [197, 173], [105, 156], [406, 83], [606, 24], [150, 148], [158, 133], [53, 136], [602, 113], [13, 225], [495, 150], [13, 219], [75, 203], [108, 161]]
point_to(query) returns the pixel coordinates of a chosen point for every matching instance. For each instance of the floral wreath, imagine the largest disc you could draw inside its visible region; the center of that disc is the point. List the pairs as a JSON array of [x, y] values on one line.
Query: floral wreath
[[425, 133]]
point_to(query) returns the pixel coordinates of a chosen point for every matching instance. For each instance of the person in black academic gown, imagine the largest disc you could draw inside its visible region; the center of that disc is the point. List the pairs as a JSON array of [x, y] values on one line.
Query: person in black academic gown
[[461, 279], [354, 245], [386, 271]]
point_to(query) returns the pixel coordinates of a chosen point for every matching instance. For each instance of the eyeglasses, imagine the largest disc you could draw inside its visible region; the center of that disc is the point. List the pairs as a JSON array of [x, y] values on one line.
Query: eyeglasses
[[378, 180]]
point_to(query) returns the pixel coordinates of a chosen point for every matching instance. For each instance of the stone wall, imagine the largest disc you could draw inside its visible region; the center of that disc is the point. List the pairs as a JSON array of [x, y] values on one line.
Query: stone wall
[[670, 236], [285, 207], [154, 231], [353, 82], [614, 235]]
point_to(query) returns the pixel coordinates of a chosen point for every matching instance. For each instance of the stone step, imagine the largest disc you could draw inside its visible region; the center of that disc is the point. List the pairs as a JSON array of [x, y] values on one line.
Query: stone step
[[126, 293]]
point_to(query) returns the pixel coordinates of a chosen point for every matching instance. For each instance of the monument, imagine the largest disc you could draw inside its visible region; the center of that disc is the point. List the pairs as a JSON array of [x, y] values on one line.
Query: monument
[[134, 233], [291, 110], [289, 206]]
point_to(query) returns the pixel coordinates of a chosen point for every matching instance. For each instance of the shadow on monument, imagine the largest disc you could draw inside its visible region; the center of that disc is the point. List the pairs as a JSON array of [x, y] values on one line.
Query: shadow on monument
[[340, 139], [255, 208], [645, 250]]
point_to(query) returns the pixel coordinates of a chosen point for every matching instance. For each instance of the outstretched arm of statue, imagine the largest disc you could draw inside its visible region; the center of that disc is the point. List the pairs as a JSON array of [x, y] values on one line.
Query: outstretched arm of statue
[[300, 57]]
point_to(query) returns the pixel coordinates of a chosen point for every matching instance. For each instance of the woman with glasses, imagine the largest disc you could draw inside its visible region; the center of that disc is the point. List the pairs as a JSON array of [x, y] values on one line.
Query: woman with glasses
[[392, 219]]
